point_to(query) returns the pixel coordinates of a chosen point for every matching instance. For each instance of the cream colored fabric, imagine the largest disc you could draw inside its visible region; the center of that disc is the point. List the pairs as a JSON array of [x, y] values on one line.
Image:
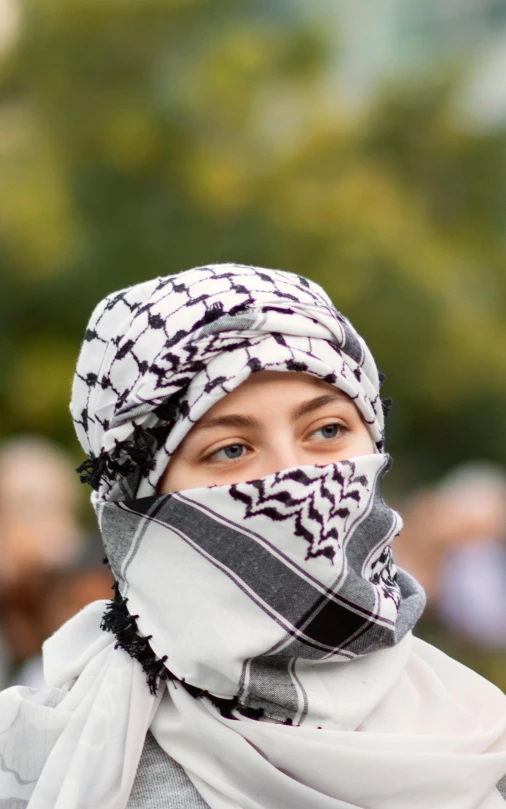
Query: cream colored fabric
[[406, 727]]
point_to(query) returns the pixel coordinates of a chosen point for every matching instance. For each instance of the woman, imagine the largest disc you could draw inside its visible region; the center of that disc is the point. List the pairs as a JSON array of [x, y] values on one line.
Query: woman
[[258, 651]]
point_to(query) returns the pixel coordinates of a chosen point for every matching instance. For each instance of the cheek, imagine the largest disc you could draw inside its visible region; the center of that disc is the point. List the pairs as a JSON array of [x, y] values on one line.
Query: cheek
[[362, 442], [173, 477], [182, 473]]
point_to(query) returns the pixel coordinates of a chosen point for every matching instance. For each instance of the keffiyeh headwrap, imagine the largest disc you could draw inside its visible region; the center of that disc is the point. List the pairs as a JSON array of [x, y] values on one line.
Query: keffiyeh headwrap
[[158, 355], [271, 607]]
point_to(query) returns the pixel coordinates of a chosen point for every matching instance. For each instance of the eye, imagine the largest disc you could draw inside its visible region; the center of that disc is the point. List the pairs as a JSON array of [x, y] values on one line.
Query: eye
[[328, 431], [230, 453]]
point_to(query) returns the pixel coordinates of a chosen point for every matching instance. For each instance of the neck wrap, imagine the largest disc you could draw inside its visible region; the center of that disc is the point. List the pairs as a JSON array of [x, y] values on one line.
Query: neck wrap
[[265, 580]]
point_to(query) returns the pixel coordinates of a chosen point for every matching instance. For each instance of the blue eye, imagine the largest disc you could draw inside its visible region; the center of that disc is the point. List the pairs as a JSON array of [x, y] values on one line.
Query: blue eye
[[328, 431], [231, 453]]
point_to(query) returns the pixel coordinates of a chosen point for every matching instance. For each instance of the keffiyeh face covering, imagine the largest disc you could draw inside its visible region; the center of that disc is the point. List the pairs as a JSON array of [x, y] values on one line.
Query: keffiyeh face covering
[[271, 608], [238, 588]]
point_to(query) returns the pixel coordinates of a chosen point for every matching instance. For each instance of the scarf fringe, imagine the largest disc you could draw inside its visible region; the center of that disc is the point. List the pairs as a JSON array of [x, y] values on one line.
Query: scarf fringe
[[137, 453], [123, 626], [386, 404], [127, 457]]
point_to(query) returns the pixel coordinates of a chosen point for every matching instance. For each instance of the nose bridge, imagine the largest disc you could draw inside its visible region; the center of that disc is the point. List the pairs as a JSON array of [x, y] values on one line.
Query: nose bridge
[[283, 451]]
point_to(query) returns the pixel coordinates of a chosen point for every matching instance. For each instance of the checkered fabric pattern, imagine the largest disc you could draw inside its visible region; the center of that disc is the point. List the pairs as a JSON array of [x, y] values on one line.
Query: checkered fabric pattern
[[237, 585], [156, 356]]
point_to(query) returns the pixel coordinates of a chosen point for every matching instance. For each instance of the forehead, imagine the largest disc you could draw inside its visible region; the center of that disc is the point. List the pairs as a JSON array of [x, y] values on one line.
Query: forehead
[[264, 388]]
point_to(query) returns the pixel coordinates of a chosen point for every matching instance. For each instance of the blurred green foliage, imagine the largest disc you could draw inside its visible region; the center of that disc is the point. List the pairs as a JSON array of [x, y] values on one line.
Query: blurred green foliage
[[143, 137]]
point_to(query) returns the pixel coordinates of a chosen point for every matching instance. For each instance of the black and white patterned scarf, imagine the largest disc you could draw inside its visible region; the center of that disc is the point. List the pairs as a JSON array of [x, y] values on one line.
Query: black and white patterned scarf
[[158, 355], [315, 569], [272, 607]]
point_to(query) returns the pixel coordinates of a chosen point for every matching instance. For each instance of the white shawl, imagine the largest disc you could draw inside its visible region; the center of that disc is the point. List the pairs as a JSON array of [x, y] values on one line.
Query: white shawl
[[410, 728]]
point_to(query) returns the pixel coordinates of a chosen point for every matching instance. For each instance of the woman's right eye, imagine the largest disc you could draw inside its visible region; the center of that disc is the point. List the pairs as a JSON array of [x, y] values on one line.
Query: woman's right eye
[[230, 453]]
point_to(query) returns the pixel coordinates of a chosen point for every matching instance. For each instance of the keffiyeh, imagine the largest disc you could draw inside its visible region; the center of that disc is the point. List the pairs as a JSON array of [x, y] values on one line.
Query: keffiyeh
[[158, 355], [265, 579], [268, 616]]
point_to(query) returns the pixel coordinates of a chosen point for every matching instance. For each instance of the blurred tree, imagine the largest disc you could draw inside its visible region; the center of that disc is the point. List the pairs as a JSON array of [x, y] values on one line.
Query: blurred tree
[[145, 137]]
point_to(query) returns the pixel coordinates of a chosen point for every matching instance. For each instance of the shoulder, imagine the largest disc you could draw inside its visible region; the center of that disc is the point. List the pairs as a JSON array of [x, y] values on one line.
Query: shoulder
[[437, 673]]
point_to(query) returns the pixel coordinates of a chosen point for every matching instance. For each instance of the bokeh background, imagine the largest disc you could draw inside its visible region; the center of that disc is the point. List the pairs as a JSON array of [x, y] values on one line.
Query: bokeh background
[[359, 142]]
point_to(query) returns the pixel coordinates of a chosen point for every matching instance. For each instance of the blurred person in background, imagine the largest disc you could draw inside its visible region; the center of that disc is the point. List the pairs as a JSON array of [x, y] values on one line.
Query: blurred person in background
[[4, 665], [40, 542], [61, 592], [38, 508], [258, 652], [454, 543]]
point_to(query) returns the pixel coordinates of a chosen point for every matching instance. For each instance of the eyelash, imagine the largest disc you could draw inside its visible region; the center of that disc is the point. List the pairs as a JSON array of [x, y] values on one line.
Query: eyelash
[[342, 429], [213, 455]]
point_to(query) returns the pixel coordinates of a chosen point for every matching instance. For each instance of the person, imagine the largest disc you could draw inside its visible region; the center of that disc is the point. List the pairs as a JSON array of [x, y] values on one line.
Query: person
[[453, 542], [39, 535], [456, 549], [470, 599], [59, 594], [38, 508], [258, 651]]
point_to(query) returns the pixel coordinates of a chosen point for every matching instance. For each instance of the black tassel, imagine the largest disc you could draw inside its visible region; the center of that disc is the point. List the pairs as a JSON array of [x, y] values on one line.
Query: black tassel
[[138, 451], [126, 457], [118, 620], [92, 470], [105, 465], [158, 673], [386, 404], [225, 706], [252, 713]]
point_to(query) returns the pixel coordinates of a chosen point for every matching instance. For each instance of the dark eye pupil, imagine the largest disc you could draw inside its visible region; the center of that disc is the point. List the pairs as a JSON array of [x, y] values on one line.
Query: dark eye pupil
[[330, 430], [233, 451]]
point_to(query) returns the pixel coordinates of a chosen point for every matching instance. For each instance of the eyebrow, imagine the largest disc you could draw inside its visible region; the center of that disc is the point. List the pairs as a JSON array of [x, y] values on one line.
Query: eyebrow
[[310, 405], [233, 420], [302, 409]]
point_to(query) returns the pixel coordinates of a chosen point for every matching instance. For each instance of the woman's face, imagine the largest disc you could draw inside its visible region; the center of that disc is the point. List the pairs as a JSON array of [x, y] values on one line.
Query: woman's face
[[274, 420]]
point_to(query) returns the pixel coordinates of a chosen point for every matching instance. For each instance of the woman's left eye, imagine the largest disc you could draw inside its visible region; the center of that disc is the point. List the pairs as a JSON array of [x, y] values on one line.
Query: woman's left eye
[[328, 431], [230, 453]]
